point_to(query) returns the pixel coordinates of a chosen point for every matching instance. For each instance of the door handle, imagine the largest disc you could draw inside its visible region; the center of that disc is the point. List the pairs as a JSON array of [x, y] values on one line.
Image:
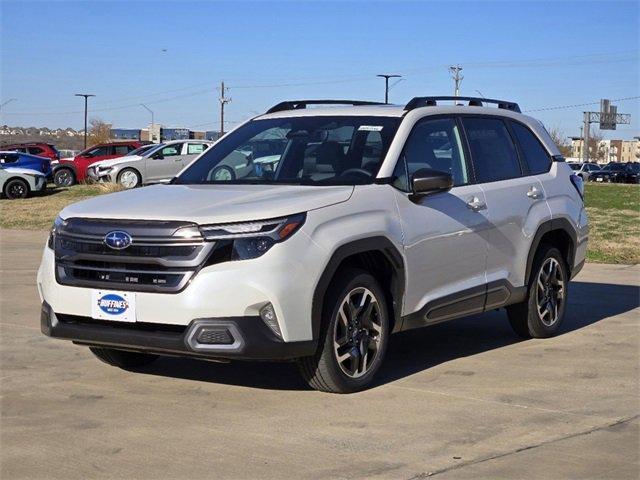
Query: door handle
[[534, 193], [476, 204]]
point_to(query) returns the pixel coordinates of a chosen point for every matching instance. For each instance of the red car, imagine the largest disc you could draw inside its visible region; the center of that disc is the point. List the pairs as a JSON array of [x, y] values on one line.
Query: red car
[[46, 150], [70, 171]]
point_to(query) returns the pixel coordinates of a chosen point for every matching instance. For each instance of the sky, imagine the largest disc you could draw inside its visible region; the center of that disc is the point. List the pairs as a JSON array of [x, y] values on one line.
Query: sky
[[171, 56]]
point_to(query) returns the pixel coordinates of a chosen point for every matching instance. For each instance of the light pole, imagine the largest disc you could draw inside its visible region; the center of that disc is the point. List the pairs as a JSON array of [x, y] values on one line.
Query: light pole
[[153, 129], [86, 98], [386, 84]]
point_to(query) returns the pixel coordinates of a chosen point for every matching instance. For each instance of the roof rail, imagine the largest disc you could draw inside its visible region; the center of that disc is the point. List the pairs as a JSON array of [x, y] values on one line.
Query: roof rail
[[297, 104], [473, 102]]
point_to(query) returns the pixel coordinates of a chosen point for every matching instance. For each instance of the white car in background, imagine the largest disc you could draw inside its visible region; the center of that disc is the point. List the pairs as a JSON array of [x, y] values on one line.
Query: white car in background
[[21, 182], [155, 163]]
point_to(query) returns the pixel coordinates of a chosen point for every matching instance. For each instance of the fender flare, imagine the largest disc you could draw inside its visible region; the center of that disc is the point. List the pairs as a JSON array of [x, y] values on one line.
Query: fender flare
[[556, 224], [379, 244]]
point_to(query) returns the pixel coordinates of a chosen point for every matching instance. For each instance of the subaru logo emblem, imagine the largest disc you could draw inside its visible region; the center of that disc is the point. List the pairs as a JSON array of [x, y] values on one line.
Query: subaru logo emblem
[[118, 240]]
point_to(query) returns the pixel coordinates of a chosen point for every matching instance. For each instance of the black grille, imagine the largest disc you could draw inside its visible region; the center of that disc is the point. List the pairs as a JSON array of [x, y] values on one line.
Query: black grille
[[217, 336], [157, 260]]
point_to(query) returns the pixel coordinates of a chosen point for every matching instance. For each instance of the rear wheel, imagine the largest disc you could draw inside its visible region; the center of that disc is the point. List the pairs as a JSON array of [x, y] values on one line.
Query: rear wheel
[[64, 177], [129, 178], [354, 335], [541, 314], [123, 359], [16, 188], [224, 174]]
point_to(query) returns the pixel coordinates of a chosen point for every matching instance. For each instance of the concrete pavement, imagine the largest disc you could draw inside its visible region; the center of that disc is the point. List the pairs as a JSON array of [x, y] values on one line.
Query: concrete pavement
[[464, 399]]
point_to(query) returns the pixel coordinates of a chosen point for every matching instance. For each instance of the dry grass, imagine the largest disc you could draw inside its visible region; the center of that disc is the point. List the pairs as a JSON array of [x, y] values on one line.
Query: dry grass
[[38, 213]]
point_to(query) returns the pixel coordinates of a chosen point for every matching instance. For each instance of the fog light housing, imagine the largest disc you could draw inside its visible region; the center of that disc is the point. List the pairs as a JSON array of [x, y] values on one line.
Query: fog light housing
[[268, 316]]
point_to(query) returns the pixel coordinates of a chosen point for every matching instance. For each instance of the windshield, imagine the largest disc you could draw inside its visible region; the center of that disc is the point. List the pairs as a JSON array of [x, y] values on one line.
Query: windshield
[[320, 150], [575, 166], [614, 166], [140, 150]]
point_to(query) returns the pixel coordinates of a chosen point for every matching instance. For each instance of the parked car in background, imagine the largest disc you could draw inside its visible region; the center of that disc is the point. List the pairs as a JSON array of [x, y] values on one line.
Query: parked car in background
[[155, 165], [66, 153], [70, 171], [25, 160], [584, 170], [47, 150], [618, 173], [20, 182]]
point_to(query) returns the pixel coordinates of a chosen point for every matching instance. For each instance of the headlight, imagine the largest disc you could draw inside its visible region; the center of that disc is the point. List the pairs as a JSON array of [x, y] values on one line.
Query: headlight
[[58, 223], [104, 169], [253, 239]]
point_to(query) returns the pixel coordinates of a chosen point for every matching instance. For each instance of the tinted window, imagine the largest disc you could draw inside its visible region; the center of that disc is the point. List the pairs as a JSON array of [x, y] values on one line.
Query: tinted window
[[99, 151], [575, 166], [122, 150], [492, 150], [8, 157], [35, 150], [534, 153], [436, 144]]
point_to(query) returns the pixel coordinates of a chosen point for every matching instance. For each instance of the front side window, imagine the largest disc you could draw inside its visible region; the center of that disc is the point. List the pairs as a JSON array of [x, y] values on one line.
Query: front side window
[[98, 151], [435, 144], [121, 150], [35, 150], [492, 150], [172, 150], [306, 150], [534, 153]]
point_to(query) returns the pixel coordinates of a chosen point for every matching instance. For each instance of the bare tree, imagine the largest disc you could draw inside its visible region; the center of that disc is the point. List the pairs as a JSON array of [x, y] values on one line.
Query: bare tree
[[597, 152], [560, 139], [99, 131]]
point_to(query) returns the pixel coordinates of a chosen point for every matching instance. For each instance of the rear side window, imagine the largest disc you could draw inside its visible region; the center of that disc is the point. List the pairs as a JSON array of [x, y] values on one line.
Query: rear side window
[[492, 150], [534, 153], [195, 148], [122, 149], [35, 150], [8, 157]]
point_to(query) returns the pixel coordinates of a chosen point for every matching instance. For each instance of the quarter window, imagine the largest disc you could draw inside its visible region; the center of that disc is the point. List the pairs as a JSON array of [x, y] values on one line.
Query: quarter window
[[534, 153], [492, 150], [435, 144]]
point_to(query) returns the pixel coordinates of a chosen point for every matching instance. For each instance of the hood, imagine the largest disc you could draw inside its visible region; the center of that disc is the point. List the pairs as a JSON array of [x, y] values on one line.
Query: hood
[[115, 161], [204, 204], [23, 171]]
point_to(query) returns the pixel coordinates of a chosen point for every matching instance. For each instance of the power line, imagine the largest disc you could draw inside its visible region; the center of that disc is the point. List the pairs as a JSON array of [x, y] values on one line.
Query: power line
[[577, 105]]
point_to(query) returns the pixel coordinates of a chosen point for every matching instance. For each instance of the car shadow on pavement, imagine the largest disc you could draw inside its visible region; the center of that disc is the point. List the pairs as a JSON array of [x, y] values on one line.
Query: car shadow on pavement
[[416, 350]]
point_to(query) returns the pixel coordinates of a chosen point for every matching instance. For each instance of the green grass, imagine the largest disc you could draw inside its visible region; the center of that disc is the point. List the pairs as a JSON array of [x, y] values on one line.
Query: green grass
[[614, 216], [614, 219]]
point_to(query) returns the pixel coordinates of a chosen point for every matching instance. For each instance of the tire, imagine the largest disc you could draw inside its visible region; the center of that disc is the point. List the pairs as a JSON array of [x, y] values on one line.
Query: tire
[[529, 318], [16, 188], [324, 371], [123, 359], [129, 178], [227, 173], [64, 177]]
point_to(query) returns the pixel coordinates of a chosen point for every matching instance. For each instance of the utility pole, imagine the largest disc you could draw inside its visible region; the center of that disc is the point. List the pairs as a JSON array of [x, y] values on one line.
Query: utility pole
[[457, 78], [86, 98], [223, 101], [386, 84]]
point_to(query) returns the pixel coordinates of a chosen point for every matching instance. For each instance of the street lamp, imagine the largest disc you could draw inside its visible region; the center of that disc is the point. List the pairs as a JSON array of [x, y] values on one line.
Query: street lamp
[[386, 84], [152, 122], [86, 98]]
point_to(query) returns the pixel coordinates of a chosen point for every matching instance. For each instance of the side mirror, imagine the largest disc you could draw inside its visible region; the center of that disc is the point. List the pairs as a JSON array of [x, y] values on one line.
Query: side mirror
[[427, 181]]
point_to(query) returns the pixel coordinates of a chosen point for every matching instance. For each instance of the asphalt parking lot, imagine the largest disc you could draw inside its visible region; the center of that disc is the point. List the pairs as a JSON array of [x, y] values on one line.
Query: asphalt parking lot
[[464, 399]]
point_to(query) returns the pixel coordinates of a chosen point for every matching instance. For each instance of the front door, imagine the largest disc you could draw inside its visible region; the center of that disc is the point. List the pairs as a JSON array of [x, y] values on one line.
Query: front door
[[444, 233], [165, 163]]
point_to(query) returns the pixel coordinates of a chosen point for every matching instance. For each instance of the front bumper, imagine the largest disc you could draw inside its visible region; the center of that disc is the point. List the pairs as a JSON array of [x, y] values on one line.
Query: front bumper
[[246, 338], [94, 176]]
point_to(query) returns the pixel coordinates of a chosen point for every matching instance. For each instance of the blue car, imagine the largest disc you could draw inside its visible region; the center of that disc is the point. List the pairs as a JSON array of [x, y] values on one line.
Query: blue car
[[26, 160]]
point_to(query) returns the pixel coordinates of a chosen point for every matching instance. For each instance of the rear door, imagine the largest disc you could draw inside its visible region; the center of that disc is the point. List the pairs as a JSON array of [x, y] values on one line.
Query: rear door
[[515, 201], [444, 233], [165, 163]]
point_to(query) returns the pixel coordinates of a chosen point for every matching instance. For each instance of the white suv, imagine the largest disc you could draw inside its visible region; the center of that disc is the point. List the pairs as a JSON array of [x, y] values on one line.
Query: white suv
[[366, 220]]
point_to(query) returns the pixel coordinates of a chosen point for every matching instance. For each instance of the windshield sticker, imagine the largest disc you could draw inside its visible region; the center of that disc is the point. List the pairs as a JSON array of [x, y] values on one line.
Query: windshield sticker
[[370, 128]]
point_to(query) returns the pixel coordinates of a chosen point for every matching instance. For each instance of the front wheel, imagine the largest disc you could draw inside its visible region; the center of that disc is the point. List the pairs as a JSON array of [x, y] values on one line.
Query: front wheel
[[354, 335], [129, 178], [122, 358], [542, 313], [64, 177], [16, 188]]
